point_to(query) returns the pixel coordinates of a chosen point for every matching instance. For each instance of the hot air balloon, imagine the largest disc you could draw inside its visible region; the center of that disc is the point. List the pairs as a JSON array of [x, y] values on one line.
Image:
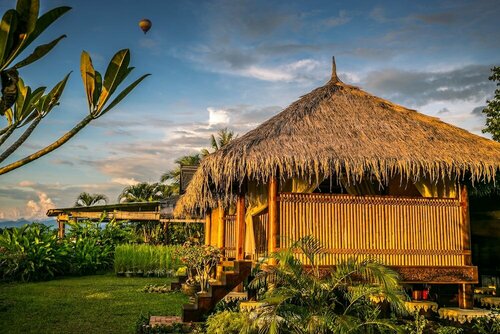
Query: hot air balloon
[[145, 25]]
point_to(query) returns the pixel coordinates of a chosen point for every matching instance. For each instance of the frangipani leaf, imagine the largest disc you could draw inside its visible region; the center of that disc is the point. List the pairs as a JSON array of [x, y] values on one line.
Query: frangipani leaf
[[8, 27], [97, 88], [124, 93], [88, 77], [28, 15], [39, 52], [115, 74], [9, 114], [42, 23], [55, 94]]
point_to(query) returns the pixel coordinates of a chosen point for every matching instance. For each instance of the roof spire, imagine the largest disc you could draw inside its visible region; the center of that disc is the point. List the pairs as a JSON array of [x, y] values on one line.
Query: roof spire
[[334, 78]]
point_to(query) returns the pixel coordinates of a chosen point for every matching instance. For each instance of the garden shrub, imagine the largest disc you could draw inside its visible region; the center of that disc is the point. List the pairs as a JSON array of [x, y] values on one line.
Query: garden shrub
[[227, 322], [31, 253], [34, 252]]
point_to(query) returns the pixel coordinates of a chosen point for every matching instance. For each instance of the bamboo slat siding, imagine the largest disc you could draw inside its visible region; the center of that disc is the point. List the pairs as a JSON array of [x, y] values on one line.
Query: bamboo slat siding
[[261, 232], [230, 236], [394, 230]]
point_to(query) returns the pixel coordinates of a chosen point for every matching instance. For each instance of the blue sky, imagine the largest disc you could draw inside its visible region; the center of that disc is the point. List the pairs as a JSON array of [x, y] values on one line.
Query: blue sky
[[217, 64]]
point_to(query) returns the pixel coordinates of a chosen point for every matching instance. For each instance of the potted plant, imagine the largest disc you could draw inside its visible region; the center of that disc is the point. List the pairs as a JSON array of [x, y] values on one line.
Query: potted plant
[[200, 261]]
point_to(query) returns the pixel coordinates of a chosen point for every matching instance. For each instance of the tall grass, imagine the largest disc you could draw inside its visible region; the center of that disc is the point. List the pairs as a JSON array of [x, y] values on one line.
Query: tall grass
[[147, 259]]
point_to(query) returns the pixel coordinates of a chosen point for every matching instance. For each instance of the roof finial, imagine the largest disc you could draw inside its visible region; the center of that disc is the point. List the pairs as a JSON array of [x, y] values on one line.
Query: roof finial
[[334, 78]]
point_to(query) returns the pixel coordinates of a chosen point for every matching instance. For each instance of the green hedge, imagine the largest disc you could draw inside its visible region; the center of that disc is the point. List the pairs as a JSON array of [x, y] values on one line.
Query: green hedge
[[146, 259]]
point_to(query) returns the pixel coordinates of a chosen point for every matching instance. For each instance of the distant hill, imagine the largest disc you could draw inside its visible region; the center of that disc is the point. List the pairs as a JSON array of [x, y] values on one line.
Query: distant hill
[[20, 222]]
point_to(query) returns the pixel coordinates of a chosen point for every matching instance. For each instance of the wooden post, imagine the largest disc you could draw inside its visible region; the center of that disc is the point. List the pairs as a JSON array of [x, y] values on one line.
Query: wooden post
[[465, 291], [61, 220], [240, 226], [208, 227], [273, 217], [221, 233]]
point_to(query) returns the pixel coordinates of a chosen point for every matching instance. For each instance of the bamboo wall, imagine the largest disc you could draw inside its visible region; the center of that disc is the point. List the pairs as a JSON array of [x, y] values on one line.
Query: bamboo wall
[[394, 230], [230, 236], [261, 234]]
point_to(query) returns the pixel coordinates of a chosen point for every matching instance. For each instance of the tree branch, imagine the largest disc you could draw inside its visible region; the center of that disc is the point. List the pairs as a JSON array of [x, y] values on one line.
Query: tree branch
[[7, 134], [67, 136], [21, 139]]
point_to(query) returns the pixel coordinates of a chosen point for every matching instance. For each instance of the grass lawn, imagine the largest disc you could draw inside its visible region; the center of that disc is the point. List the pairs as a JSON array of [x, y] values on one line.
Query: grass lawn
[[89, 304]]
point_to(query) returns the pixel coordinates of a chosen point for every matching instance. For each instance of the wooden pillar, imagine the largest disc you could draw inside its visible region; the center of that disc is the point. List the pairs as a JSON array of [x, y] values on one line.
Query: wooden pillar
[[273, 216], [208, 227], [221, 231], [465, 291], [240, 227], [61, 220], [465, 296]]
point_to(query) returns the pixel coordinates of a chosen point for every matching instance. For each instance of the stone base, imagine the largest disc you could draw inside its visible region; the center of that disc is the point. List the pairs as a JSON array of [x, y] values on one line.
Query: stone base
[[463, 315], [163, 320], [489, 301]]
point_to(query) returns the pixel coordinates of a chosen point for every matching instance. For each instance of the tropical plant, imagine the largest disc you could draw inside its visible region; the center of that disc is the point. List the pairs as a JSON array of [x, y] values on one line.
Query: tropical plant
[[307, 300], [22, 106], [179, 233], [86, 199], [224, 137], [201, 259], [144, 192], [173, 177], [31, 253], [488, 324], [492, 110], [229, 322], [89, 256], [417, 326]]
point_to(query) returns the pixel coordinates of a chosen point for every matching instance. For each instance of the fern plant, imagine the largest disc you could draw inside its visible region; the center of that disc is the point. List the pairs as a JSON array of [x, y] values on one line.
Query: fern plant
[[306, 299]]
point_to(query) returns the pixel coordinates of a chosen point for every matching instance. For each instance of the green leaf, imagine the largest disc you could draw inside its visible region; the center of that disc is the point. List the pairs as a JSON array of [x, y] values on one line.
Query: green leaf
[[9, 114], [124, 93], [98, 87], [39, 52], [42, 23], [8, 27], [28, 14], [88, 77], [56, 92], [115, 72]]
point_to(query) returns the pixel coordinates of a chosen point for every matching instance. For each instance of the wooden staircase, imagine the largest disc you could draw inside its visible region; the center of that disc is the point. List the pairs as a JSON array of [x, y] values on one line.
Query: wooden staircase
[[229, 275]]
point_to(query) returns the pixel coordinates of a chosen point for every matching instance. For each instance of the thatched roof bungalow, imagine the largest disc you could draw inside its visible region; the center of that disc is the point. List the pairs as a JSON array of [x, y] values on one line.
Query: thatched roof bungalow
[[365, 176]]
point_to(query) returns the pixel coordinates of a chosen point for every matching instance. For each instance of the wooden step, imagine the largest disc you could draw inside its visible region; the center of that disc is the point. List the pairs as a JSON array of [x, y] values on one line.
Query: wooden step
[[225, 283]]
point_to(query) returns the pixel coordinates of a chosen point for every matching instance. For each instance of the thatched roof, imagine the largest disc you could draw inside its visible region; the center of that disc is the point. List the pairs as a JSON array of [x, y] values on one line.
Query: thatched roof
[[340, 130]]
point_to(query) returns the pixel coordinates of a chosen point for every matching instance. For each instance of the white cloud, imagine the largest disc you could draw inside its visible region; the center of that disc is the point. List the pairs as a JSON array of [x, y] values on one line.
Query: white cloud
[[33, 209], [124, 181], [217, 117], [38, 209]]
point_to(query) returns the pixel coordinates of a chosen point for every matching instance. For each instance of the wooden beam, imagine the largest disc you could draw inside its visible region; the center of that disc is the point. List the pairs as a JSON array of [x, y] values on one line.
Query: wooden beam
[[208, 227], [428, 274], [273, 215], [240, 226]]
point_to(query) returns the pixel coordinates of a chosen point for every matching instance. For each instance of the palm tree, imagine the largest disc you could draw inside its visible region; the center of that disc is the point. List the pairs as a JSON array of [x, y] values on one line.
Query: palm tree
[[173, 177], [224, 137], [87, 199], [301, 300], [145, 192]]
